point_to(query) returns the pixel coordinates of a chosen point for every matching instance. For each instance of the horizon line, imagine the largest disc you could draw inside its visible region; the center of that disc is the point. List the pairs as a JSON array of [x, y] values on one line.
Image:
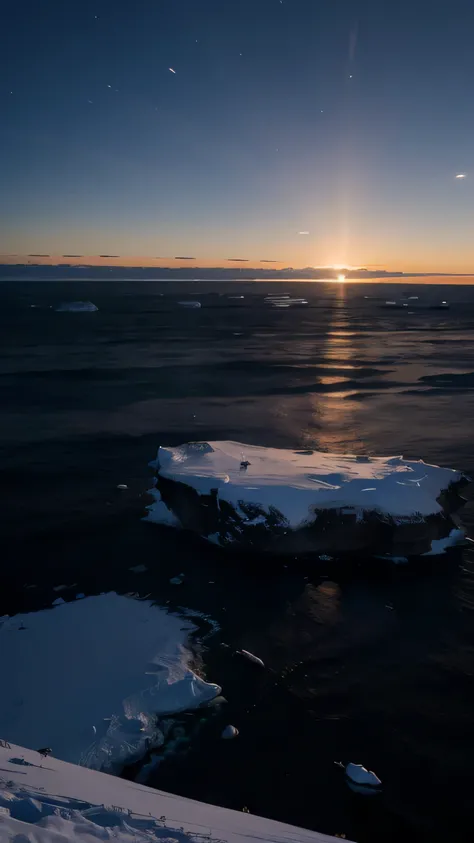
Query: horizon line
[[330, 273], [172, 263]]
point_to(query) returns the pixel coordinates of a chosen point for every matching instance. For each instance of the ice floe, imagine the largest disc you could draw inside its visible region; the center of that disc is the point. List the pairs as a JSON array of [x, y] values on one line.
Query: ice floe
[[287, 501], [108, 662]]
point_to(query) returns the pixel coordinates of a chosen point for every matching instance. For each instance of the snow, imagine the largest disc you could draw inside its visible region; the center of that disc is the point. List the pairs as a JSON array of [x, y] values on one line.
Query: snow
[[298, 482], [60, 802], [87, 678], [77, 307]]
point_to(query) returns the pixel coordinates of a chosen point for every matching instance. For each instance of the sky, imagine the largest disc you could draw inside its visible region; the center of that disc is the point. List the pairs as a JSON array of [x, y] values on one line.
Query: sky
[[306, 132]]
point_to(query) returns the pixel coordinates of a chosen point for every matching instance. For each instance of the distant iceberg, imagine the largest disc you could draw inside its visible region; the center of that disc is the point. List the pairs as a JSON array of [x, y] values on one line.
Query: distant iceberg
[[190, 304], [298, 502], [76, 307]]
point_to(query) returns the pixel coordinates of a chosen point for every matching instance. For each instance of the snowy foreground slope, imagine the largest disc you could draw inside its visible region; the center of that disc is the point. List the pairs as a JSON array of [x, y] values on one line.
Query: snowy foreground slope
[[306, 501], [91, 678], [59, 802]]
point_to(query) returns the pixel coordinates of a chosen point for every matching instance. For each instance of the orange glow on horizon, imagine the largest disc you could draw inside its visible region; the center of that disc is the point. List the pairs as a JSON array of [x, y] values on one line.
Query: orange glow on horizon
[[418, 276]]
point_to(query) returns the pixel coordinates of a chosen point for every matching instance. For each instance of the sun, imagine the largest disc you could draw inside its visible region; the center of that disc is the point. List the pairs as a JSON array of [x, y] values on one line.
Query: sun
[[341, 278]]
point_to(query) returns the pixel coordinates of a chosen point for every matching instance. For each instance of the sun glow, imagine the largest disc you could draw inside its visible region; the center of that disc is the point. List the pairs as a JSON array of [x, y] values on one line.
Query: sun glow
[[341, 277]]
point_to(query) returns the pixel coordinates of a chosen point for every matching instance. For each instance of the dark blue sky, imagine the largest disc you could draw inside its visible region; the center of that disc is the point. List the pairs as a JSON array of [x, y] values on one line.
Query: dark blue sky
[[349, 120]]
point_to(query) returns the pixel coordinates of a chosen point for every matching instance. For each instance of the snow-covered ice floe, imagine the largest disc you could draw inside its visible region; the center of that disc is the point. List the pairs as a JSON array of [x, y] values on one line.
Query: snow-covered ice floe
[[77, 307], [283, 501], [89, 678], [59, 802]]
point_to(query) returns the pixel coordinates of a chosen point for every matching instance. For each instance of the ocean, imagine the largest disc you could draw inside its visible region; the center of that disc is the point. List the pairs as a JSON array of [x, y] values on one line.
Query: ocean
[[366, 663]]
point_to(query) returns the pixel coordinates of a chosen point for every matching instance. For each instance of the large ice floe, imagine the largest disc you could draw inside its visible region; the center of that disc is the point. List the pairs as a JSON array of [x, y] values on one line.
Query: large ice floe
[[283, 501], [91, 679], [50, 801]]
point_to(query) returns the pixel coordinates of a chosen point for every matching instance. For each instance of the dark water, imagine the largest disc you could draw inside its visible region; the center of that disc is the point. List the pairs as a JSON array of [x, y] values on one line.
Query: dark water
[[362, 665]]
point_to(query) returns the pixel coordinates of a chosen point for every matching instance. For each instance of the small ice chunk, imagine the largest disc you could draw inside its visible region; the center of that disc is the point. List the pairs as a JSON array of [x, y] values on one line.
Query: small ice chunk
[[251, 657], [122, 486], [229, 732], [190, 304], [80, 596], [397, 560], [360, 775], [77, 307], [59, 601], [138, 569], [177, 580], [439, 546]]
